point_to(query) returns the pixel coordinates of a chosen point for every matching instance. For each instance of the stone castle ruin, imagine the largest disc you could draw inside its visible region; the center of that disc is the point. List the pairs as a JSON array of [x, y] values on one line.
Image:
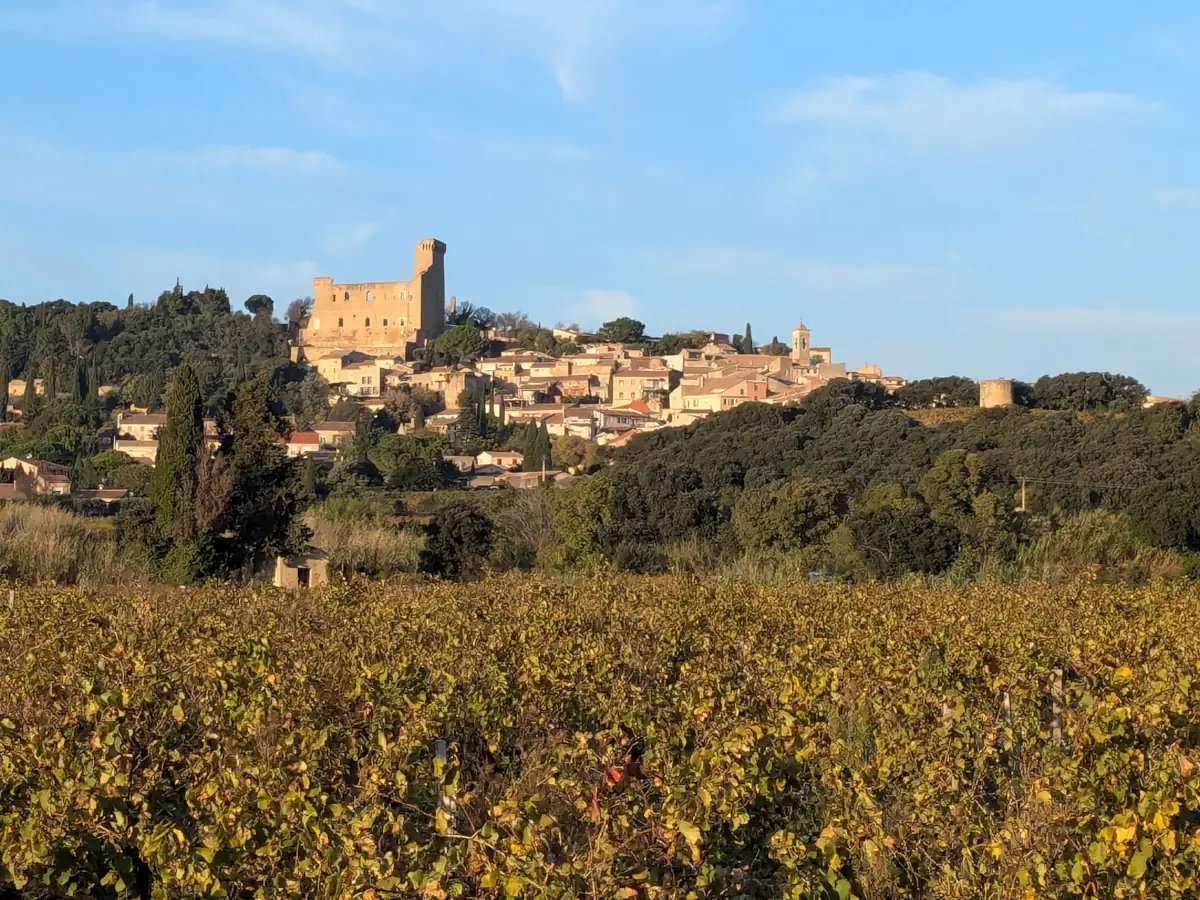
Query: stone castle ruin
[[379, 318]]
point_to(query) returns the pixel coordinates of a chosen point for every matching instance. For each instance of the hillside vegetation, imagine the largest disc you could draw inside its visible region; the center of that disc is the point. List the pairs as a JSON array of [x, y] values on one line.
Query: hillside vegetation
[[850, 480], [617, 738]]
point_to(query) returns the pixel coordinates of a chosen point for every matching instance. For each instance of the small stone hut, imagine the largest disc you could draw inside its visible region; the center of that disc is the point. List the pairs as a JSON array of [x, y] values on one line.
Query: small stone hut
[[309, 569]]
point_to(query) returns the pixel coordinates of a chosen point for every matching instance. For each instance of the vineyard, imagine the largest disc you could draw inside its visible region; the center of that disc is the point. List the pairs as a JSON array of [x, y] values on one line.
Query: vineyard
[[620, 738]]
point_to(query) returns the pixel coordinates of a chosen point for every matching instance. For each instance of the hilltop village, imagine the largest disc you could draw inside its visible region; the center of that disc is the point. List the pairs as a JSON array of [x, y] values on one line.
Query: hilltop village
[[603, 387]]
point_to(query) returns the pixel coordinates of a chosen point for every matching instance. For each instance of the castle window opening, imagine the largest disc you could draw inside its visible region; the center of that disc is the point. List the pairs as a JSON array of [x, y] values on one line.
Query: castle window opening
[[341, 322], [368, 322], [370, 296], [347, 296], [385, 323]]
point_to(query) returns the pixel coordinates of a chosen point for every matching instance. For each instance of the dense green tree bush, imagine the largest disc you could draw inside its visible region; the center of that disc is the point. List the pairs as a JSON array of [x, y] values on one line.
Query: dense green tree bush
[[458, 542]]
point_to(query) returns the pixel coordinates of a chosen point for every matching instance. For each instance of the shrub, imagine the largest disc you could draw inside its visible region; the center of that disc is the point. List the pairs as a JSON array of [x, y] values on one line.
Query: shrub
[[787, 515], [458, 542]]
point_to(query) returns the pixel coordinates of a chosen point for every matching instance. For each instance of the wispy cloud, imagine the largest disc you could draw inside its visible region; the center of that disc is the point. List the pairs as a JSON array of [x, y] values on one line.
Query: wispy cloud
[[817, 279], [283, 161], [597, 306], [352, 238], [550, 152], [864, 124], [577, 40], [1178, 198]]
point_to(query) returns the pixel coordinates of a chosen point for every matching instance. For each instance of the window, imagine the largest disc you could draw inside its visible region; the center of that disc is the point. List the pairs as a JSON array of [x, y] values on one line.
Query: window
[[385, 323], [347, 296], [368, 321], [341, 322], [370, 296]]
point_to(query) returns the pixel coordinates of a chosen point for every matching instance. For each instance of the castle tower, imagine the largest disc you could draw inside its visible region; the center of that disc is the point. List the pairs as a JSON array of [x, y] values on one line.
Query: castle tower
[[801, 345], [995, 392]]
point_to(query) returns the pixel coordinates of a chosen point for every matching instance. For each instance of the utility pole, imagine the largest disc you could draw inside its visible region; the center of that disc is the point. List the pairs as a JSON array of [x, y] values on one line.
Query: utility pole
[[1023, 507]]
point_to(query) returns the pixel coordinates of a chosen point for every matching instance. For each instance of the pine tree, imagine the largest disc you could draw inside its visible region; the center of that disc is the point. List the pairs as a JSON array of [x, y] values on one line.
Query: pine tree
[[531, 450], [176, 470], [748, 341]]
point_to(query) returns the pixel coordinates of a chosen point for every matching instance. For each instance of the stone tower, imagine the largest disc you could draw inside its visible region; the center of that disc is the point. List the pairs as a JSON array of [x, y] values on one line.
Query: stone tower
[[801, 345], [995, 392]]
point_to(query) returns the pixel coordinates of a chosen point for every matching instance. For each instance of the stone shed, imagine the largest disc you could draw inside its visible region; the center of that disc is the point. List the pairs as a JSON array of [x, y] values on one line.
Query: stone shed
[[309, 569]]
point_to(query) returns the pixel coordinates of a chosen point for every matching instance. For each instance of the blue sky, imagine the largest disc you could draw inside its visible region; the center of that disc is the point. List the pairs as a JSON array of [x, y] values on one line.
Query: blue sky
[[984, 189]]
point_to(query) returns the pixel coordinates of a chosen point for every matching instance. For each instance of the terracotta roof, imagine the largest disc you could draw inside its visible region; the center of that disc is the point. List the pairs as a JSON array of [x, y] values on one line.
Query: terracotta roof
[[108, 494], [305, 437]]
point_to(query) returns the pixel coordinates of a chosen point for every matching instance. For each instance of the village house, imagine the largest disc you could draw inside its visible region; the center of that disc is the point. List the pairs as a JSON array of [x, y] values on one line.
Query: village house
[[462, 463], [526, 480], [39, 476], [643, 381], [444, 423], [140, 426], [334, 435], [140, 451], [503, 459], [303, 443], [448, 382]]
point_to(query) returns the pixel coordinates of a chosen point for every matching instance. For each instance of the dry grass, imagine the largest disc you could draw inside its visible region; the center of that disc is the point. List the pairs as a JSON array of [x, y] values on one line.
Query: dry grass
[[46, 544], [376, 548]]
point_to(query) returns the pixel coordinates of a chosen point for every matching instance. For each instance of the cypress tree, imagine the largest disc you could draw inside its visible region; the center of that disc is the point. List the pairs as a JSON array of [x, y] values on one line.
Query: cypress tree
[[51, 382], [748, 341], [531, 450], [4, 373], [176, 471], [419, 419], [93, 383], [310, 477], [31, 403], [129, 302], [545, 453], [79, 389]]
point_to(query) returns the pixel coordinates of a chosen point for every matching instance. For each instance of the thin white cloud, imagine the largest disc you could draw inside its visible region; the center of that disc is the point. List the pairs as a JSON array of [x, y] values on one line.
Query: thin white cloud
[[597, 306], [352, 238], [577, 40], [864, 124], [553, 153], [1178, 198], [817, 279], [283, 161]]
